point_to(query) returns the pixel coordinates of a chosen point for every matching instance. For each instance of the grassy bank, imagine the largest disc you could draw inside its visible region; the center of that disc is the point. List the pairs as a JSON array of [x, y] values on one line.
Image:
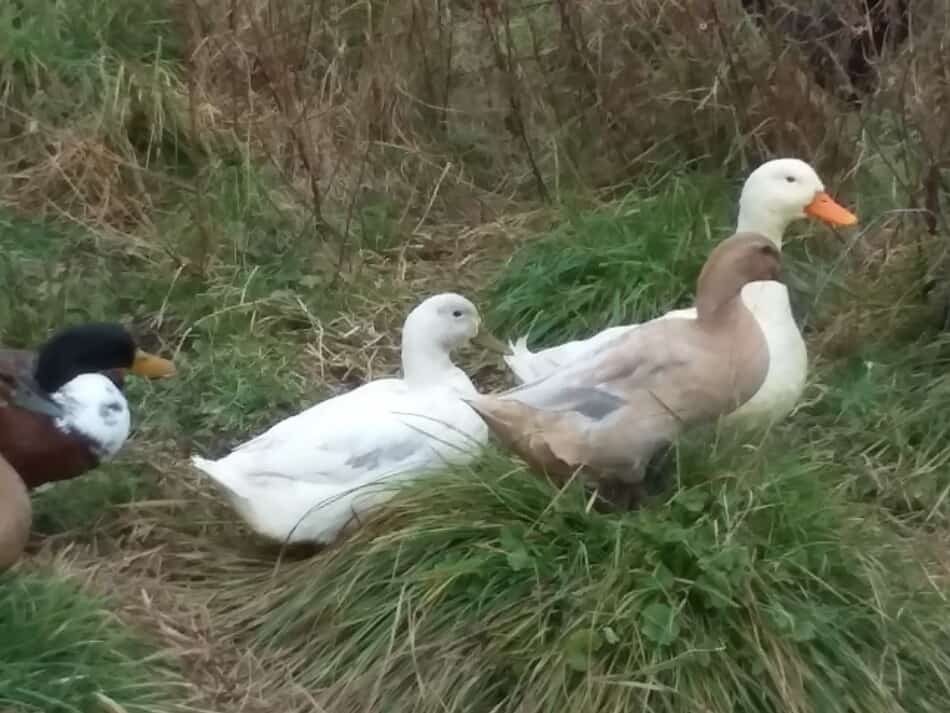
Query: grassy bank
[[262, 190]]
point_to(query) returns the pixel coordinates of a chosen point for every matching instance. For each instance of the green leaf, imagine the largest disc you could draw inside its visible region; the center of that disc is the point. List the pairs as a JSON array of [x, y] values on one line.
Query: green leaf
[[658, 624], [717, 590], [578, 647], [662, 578], [516, 551]]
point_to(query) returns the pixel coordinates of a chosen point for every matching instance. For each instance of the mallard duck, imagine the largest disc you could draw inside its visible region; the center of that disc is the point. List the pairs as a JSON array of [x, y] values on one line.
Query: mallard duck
[[62, 411], [776, 194], [15, 515], [611, 413], [306, 477]]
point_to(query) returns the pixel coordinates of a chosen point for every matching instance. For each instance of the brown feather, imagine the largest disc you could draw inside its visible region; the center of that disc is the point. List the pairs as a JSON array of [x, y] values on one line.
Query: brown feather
[[16, 516]]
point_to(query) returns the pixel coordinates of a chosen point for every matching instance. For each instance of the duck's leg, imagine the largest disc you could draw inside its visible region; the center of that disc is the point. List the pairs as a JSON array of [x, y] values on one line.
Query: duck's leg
[[616, 495], [657, 470]]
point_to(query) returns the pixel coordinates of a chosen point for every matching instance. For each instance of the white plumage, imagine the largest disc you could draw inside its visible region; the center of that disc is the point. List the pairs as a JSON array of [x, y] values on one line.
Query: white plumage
[[306, 477], [93, 407]]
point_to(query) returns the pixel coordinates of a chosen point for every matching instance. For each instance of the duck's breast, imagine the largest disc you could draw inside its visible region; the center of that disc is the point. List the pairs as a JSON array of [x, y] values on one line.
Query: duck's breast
[[788, 358]]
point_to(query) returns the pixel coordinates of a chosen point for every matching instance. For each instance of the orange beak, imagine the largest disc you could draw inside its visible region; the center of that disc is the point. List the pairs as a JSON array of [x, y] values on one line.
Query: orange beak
[[151, 366], [827, 210]]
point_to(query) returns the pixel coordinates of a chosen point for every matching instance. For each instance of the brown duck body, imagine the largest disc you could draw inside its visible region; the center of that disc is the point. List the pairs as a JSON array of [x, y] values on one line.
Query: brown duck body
[[609, 415], [15, 515]]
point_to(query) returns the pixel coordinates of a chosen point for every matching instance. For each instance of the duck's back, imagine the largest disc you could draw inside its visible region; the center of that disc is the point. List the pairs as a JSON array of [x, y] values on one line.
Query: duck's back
[[307, 475], [379, 427]]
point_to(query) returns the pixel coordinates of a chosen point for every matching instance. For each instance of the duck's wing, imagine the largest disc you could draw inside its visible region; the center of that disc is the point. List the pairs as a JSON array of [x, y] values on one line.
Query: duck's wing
[[528, 366], [609, 412], [365, 435], [613, 375]]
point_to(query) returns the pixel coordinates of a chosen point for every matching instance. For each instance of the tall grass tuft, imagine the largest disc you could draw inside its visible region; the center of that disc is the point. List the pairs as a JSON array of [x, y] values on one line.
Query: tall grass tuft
[[64, 652], [623, 262], [757, 587]]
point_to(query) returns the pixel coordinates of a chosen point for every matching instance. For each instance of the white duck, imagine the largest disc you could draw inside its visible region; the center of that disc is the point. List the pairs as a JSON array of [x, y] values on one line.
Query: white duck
[[775, 195], [306, 477]]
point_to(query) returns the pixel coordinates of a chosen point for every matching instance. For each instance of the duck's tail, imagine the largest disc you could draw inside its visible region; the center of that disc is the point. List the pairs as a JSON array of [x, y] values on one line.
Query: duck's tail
[[520, 360], [214, 470]]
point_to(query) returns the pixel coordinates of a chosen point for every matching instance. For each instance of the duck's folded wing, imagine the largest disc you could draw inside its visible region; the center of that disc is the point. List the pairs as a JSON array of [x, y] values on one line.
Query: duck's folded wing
[[615, 375], [347, 441]]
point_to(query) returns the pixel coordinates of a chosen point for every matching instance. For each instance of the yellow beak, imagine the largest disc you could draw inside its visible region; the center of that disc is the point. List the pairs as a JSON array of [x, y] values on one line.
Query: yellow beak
[[151, 366]]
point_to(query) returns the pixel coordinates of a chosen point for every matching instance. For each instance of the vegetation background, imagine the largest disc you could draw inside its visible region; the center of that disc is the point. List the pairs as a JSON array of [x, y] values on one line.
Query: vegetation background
[[263, 188]]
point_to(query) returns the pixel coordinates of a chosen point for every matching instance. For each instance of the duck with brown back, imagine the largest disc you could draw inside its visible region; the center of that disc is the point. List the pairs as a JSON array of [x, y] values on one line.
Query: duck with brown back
[[62, 411], [606, 416], [15, 515]]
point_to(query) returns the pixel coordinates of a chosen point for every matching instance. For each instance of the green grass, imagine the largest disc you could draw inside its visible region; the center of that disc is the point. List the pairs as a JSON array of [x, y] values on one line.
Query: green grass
[[65, 652], [622, 262], [78, 506], [756, 588], [882, 425]]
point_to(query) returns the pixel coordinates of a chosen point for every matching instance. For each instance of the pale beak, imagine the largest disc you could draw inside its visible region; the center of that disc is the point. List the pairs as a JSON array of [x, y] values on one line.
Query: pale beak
[[151, 366], [824, 208]]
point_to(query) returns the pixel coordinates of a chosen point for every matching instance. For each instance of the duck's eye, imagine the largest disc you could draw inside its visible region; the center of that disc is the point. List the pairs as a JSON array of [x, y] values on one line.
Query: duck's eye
[[790, 179], [457, 313]]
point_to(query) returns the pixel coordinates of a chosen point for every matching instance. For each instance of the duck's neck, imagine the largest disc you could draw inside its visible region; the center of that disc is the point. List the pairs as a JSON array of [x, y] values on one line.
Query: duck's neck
[[754, 218], [425, 363], [717, 294]]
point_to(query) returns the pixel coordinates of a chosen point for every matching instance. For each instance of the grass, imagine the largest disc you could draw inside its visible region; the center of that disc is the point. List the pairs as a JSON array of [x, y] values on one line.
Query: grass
[[757, 587], [882, 420], [605, 266], [64, 651]]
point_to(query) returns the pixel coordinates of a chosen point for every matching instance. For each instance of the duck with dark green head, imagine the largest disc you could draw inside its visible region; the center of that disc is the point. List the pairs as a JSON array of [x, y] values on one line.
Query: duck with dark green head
[[62, 410]]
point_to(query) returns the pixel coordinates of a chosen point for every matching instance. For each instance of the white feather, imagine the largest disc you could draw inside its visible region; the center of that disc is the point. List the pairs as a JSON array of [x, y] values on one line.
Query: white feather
[[95, 408]]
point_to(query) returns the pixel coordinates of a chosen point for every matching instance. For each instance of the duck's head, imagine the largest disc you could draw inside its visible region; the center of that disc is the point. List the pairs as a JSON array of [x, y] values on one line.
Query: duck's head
[[782, 191], [94, 347], [451, 321]]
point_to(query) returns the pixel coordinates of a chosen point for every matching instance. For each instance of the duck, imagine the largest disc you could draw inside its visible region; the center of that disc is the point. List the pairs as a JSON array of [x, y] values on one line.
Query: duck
[[16, 515], [607, 415], [62, 409], [307, 477], [776, 194]]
